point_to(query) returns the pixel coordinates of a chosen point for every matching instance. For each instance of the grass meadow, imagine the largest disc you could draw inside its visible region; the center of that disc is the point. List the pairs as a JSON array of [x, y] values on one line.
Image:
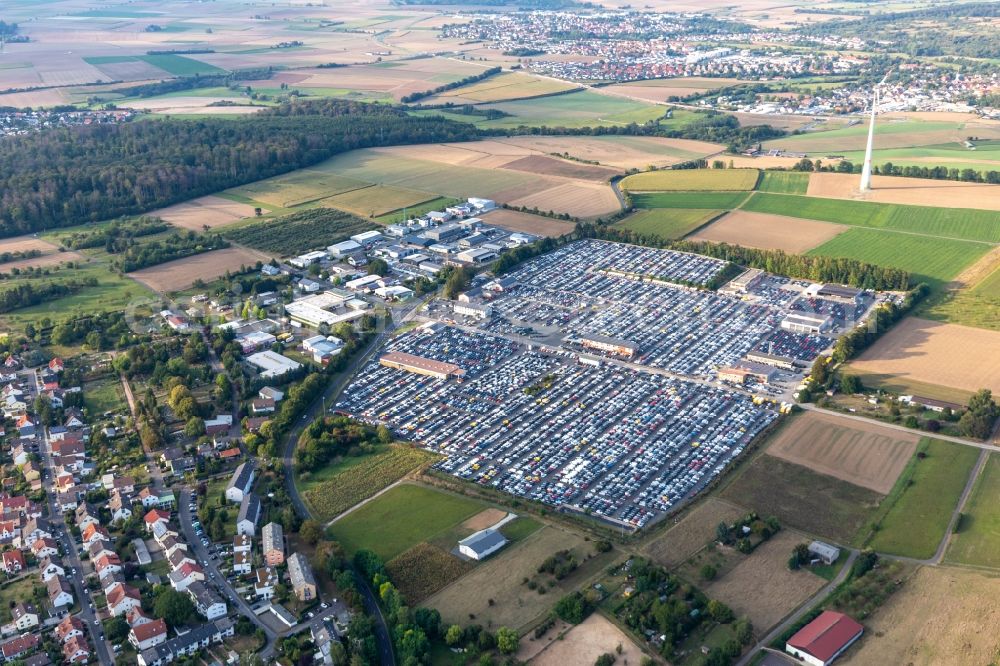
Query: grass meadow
[[914, 516], [977, 538], [784, 182], [668, 223]]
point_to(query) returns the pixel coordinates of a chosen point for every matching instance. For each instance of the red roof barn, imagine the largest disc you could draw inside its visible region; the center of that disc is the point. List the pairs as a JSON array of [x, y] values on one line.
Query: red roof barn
[[824, 639]]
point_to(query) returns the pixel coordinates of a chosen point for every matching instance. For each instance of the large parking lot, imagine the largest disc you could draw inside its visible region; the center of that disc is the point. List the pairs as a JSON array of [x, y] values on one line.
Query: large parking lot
[[619, 444], [619, 291]]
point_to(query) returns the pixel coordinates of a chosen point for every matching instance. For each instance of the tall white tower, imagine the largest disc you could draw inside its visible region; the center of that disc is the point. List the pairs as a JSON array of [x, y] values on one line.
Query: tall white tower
[[866, 169]]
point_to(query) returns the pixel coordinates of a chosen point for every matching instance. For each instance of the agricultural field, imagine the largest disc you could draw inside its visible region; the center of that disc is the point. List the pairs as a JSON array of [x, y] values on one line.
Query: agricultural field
[[935, 261], [761, 586], [769, 232], [975, 539], [784, 182], [973, 304], [668, 223], [621, 152], [298, 232], [297, 188], [587, 641], [889, 133], [407, 515], [864, 454], [204, 212], [801, 498], [377, 200], [501, 577], [918, 355], [578, 199], [692, 532], [985, 157], [27, 244], [658, 90], [706, 200], [949, 223], [913, 191], [423, 570], [579, 109], [538, 225], [941, 616], [500, 88], [336, 488], [181, 273], [692, 180], [551, 166], [927, 496]]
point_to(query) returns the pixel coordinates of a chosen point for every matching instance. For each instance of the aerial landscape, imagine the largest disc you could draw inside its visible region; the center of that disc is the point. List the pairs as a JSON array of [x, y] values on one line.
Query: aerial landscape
[[499, 332]]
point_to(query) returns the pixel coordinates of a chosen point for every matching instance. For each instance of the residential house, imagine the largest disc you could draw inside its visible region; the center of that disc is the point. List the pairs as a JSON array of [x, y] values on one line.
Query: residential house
[[13, 562], [184, 575], [25, 426], [70, 627], [33, 530], [262, 406], [18, 647], [171, 545], [50, 567], [206, 601], [135, 617], [107, 562], [179, 557], [154, 516], [76, 650], [45, 547], [86, 515], [123, 598], [25, 616], [240, 483], [242, 563], [242, 544], [10, 530], [301, 576], [187, 643], [110, 579], [60, 592], [95, 532], [145, 636], [121, 508], [271, 393], [273, 544], [99, 547], [68, 500], [249, 515], [264, 584]]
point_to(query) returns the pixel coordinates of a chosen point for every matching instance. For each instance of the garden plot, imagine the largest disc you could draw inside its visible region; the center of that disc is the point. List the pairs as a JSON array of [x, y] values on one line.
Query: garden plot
[[770, 232]]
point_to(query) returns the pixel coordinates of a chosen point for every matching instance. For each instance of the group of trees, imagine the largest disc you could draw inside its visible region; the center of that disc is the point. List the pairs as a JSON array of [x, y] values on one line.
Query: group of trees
[[135, 256], [331, 436], [88, 173], [980, 415], [28, 293], [475, 78], [966, 175], [116, 237]]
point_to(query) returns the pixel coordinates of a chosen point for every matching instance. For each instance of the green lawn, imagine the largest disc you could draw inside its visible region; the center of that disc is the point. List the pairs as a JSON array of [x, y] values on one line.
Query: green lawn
[[978, 539], [784, 182], [708, 200], [915, 514], [520, 528], [180, 65], [960, 223], [977, 306], [930, 260], [667, 223], [401, 518], [102, 396], [11, 593]]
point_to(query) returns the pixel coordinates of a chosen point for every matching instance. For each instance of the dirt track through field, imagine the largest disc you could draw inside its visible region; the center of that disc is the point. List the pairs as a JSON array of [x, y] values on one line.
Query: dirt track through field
[[931, 352], [865, 455], [912, 191], [769, 232]]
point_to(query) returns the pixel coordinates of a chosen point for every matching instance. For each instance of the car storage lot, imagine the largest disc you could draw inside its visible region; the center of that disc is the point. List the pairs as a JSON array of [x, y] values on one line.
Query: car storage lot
[[623, 445]]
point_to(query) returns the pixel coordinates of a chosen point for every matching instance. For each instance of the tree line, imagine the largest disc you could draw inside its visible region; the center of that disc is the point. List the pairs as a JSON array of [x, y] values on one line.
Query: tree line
[[966, 175], [176, 246], [72, 175], [27, 294], [475, 78], [116, 236]]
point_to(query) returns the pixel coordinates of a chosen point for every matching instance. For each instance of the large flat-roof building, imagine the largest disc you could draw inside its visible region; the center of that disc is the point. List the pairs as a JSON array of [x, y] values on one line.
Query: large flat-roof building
[[839, 293], [824, 639], [421, 366], [272, 364], [608, 345], [801, 323], [776, 360], [741, 372]]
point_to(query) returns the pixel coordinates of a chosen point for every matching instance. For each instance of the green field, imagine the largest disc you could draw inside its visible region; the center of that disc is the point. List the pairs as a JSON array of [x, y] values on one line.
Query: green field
[[977, 541], [977, 306], [916, 513], [335, 488], [888, 134], [180, 65], [578, 109], [784, 182], [298, 187], [692, 180], [667, 223], [961, 223], [105, 395], [404, 516], [378, 200], [707, 200], [986, 156], [931, 260], [107, 60]]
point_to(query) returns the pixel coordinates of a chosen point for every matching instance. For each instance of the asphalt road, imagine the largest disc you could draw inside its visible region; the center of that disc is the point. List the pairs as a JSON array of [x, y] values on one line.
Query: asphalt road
[[72, 555]]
